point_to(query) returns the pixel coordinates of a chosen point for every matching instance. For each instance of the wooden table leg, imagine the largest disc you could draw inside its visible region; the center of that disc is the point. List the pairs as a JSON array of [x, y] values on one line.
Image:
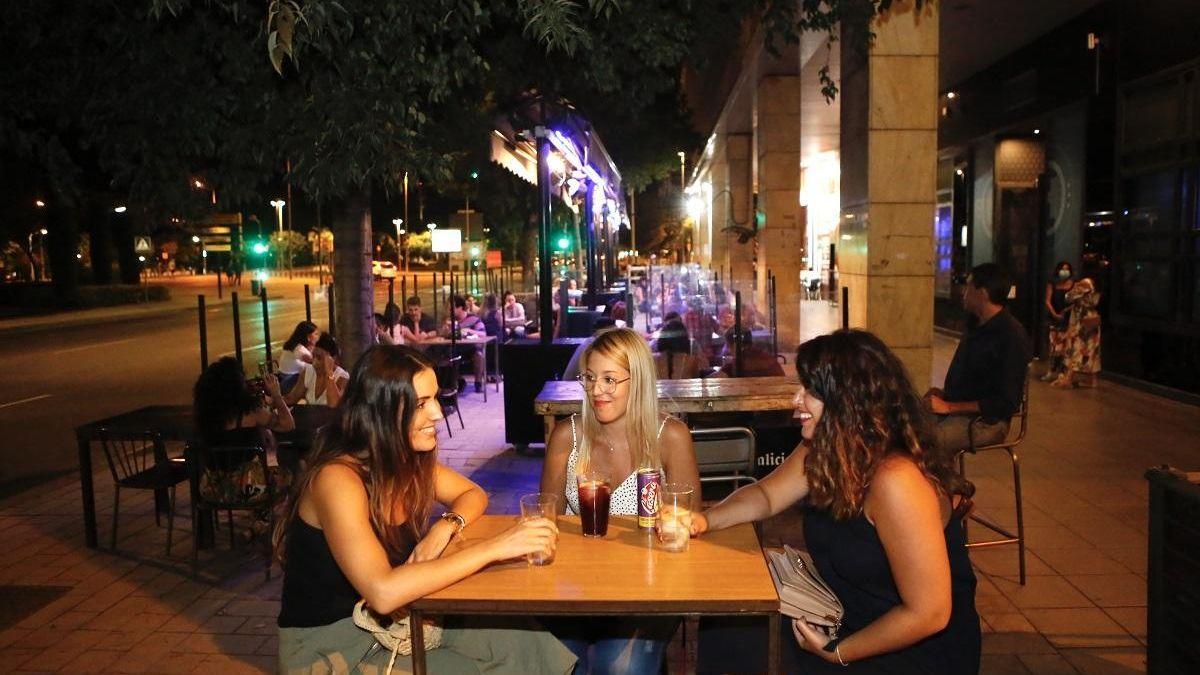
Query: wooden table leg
[[89, 495], [417, 631], [773, 645]]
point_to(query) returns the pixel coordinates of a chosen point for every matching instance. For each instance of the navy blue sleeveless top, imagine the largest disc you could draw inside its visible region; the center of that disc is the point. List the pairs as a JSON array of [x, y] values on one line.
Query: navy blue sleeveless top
[[851, 559], [315, 591]]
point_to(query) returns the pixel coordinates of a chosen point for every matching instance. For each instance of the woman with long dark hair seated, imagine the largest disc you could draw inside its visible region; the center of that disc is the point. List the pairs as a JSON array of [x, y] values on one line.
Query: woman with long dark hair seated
[[297, 349], [879, 517], [357, 525]]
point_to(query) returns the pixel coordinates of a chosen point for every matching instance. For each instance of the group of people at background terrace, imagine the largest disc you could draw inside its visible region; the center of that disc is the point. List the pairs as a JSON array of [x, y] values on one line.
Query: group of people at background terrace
[[882, 507]]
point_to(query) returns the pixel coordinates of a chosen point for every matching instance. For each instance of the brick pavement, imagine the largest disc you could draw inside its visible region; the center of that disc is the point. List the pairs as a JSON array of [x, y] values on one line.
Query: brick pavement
[[1082, 610]]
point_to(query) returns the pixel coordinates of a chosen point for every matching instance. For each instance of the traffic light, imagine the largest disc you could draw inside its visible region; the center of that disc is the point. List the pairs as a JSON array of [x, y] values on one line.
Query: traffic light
[[260, 247], [563, 242], [474, 175]]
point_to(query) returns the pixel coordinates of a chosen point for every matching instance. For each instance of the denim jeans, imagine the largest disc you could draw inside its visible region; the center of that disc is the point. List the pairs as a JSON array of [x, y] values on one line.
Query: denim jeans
[[618, 646]]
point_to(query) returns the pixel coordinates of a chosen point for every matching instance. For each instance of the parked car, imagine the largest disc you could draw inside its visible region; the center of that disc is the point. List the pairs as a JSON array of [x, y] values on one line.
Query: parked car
[[383, 269]]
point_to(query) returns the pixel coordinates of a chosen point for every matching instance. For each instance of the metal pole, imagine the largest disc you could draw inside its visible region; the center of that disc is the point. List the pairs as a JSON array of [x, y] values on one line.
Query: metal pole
[[220, 291], [737, 334], [845, 307], [544, 182], [404, 288], [203, 333], [774, 316], [329, 299], [307, 305], [237, 327], [590, 251], [391, 291], [266, 325]]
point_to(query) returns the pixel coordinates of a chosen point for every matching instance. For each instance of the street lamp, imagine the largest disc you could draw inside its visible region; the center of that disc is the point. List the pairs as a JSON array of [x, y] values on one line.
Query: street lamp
[[120, 209], [399, 233], [278, 204], [39, 203], [195, 239], [432, 226]]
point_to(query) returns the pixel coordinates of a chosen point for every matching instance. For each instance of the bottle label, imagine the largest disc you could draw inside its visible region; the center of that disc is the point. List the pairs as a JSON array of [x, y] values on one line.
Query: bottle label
[[648, 487]]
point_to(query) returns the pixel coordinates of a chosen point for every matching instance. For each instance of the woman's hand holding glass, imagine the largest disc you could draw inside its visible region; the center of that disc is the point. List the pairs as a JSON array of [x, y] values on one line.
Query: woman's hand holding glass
[[699, 524], [536, 535]]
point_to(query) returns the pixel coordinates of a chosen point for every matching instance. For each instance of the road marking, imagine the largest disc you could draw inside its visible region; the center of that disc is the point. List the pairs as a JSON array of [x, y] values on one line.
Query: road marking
[[25, 400], [99, 344], [251, 348]]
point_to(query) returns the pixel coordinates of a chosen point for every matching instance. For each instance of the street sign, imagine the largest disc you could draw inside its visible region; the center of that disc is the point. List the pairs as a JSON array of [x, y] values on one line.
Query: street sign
[[446, 241], [493, 259], [142, 245]]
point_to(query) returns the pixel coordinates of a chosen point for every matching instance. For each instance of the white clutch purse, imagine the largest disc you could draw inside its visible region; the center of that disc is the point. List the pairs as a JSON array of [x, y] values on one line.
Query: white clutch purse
[[803, 594]]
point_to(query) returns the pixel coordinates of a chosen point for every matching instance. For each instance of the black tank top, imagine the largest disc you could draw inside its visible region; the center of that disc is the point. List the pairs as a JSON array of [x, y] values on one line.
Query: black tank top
[[315, 591], [851, 559]]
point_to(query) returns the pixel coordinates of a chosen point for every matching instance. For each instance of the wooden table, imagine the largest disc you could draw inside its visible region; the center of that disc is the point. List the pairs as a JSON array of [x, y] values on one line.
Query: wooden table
[[173, 423], [723, 573], [485, 340], [700, 395]]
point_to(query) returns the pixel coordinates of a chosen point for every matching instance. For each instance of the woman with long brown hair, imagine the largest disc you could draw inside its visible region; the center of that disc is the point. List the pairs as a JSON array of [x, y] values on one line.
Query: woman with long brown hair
[[879, 517], [357, 526]]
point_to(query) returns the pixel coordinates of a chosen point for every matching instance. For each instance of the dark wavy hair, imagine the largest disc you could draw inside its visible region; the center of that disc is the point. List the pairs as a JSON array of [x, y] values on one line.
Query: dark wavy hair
[[299, 335], [372, 436], [219, 396], [871, 410]]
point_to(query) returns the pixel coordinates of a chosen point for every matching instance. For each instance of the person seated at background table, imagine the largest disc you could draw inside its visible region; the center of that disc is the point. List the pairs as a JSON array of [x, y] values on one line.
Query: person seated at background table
[[619, 314], [418, 324], [383, 335], [323, 381], [297, 349], [620, 430], [492, 319], [880, 517], [468, 325], [228, 411], [986, 378], [757, 359], [701, 326], [673, 359], [357, 525], [514, 314]]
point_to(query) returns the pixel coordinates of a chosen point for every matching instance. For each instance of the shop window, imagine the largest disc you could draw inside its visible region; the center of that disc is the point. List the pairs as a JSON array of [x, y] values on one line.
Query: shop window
[[1146, 289]]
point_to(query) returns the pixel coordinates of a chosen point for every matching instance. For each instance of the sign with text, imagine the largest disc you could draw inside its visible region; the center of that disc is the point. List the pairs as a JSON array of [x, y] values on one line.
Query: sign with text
[[446, 241]]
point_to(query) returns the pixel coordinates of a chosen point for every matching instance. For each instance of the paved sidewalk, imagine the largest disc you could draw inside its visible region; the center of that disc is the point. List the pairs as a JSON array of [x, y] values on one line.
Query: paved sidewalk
[[1082, 610]]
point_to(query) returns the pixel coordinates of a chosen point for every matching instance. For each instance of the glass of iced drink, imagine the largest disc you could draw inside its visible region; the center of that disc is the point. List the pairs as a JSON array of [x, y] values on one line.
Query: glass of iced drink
[[595, 493], [674, 521], [539, 505]]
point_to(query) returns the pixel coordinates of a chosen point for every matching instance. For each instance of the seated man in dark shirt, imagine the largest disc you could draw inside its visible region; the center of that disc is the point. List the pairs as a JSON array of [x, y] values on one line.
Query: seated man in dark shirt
[[987, 375], [468, 325], [418, 324]]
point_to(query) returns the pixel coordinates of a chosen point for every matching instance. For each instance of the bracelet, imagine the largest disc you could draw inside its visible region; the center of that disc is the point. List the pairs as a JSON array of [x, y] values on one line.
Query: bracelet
[[837, 651], [835, 646], [458, 520]]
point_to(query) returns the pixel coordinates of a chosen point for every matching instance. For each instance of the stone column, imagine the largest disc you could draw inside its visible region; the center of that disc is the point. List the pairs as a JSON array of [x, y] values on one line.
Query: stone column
[[889, 163], [719, 207], [781, 242], [740, 256]]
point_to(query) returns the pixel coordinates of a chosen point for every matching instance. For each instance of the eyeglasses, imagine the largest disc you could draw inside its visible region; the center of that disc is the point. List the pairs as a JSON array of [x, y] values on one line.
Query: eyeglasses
[[604, 385]]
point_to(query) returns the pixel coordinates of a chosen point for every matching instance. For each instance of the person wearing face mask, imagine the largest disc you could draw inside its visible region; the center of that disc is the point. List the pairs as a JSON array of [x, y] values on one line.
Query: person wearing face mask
[[880, 518], [322, 381], [620, 430], [1057, 317], [358, 525]]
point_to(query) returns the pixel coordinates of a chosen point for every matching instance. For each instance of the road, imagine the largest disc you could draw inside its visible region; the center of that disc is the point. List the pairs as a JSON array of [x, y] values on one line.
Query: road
[[57, 377]]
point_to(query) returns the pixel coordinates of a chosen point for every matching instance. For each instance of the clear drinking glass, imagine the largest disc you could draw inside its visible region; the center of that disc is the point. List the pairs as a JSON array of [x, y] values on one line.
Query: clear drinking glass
[[539, 505], [674, 522], [595, 494]]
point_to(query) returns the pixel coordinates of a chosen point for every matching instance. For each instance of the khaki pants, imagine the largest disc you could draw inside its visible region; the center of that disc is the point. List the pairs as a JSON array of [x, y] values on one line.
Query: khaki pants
[[951, 432]]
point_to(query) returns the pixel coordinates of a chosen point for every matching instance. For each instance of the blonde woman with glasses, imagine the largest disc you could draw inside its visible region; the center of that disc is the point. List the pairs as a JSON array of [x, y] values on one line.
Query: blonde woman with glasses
[[620, 430]]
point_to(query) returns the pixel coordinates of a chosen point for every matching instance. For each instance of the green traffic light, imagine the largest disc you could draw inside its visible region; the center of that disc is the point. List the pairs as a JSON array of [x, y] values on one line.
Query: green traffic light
[[563, 243], [260, 248], [474, 175]]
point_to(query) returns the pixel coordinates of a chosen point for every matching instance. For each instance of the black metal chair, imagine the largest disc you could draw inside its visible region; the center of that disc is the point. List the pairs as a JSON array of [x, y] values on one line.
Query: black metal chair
[[1009, 446], [725, 454], [449, 385], [140, 462], [229, 478]]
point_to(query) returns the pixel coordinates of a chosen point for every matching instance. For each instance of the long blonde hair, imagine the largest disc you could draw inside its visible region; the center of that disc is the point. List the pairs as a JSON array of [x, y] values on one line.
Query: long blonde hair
[[642, 417]]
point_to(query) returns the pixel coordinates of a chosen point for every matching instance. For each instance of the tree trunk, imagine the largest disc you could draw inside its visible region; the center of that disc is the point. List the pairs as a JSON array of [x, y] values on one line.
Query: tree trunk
[[354, 295], [100, 250], [122, 236], [61, 244]]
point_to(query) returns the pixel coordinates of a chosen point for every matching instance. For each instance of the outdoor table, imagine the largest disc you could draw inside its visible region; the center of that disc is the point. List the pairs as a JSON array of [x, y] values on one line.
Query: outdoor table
[[173, 423], [698, 395], [723, 573], [486, 340]]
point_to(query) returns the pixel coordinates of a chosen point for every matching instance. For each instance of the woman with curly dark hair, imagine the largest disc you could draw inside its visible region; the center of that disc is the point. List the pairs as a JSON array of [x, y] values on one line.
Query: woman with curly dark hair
[[879, 517]]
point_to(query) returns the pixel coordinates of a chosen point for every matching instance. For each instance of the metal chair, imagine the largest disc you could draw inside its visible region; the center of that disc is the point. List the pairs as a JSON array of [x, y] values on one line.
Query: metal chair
[[1008, 445], [448, 388], [140, 462], [725, 454], [229, 478]]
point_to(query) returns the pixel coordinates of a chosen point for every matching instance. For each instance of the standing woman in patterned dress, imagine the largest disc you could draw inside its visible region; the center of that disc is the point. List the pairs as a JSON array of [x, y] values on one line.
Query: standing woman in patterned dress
[[1083, 337], [621, 429]]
